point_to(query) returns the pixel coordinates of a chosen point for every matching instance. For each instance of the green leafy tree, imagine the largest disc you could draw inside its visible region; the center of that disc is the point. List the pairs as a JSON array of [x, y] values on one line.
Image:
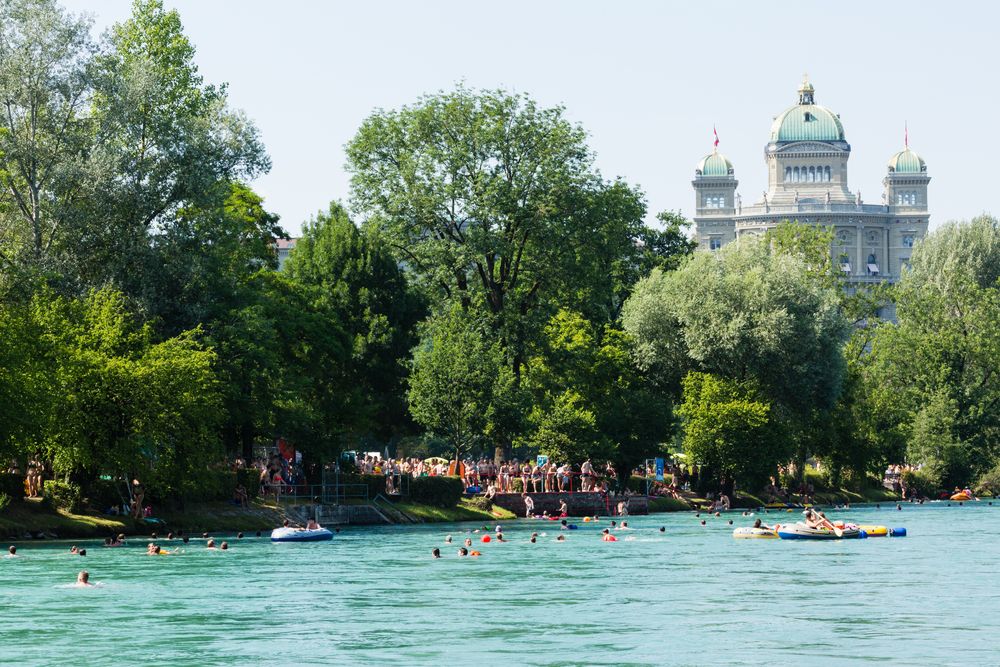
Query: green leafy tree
[[493, 203], [164, 140], [118, 401], [355, 276], [455, 373], [45, 82], [730, 427], [591, 398], [936, 368], [751, 313]]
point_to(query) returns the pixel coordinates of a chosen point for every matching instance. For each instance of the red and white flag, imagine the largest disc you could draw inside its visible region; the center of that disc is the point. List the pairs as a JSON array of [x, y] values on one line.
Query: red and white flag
[[716, 133]]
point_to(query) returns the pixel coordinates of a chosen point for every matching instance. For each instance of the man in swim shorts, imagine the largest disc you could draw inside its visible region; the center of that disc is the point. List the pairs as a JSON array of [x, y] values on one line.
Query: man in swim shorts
[[83, 579], [435, 552]]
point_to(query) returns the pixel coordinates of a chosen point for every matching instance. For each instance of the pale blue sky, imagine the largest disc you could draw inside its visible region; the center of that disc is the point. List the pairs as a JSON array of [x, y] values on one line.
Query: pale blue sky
[[647, 80]]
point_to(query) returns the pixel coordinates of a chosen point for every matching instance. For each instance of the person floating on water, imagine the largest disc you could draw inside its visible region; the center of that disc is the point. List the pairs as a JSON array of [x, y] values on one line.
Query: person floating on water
[[11, 551], [435, 552], [757, 524], [83, 579]]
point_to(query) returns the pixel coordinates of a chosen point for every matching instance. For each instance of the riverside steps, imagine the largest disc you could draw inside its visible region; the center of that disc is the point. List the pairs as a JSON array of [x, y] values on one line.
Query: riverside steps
[[579, 503]]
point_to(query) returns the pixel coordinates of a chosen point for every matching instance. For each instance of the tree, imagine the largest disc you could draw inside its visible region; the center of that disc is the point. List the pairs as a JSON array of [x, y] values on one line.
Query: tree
[[751, 313], [937, 366], [455, 373], [493, 203], [591, 399], [45, 85], [355, 276], [730, 428], [118, 401], [163, 140]]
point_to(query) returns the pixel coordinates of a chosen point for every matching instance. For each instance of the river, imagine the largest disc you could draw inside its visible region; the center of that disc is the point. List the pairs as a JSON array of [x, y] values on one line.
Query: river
[[689, 596]]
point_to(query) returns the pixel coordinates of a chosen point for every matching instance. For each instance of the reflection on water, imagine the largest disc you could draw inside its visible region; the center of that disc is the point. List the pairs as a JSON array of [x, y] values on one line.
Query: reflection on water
[[692, 595]]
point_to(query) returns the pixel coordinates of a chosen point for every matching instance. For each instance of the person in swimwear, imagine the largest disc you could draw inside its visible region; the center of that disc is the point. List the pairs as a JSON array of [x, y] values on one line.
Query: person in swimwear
[[435, 552], [561, 538], [463, 551], [312, 524], [607, 536], [83, 579], [757, 524], [11, 551]]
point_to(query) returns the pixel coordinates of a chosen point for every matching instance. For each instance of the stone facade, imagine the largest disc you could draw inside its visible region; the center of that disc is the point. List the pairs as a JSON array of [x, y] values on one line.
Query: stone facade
[[806, 159]]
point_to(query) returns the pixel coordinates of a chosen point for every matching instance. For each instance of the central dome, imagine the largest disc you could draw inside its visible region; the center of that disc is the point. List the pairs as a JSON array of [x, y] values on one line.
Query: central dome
[[807, 121]]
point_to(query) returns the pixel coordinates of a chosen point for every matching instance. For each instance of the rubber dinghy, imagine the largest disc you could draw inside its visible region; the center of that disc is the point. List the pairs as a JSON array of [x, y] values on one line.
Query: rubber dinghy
[[800, 531], [750, 533], [300, 535]]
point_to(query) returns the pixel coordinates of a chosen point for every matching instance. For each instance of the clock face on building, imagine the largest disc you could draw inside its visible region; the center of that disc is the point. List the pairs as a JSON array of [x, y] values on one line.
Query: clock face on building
[[844, 237]]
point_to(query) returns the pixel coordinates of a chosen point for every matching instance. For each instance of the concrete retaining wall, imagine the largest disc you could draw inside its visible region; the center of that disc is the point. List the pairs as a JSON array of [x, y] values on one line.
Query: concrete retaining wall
[[578, 504]]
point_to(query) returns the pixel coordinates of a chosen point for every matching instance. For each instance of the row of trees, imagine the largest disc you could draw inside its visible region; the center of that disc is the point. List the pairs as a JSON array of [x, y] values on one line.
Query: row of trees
[[496, 293]]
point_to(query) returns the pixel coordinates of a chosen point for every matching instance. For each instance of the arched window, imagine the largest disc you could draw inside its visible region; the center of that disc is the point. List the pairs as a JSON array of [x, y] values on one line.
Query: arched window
[[812, 174], [826, 174], [795, 176], [788, 173]]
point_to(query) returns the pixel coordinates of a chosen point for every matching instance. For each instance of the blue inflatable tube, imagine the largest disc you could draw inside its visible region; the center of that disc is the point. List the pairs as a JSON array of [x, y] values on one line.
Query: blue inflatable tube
[[897, 532]]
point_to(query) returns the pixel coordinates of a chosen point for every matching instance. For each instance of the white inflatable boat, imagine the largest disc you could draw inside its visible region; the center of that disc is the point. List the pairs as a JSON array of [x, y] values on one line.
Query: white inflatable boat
[[300, 535]]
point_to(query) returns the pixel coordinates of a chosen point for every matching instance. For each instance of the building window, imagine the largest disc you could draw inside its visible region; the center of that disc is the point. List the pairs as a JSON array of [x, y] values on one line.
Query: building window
[[872, 265], [795, 175], [714, 243], [826, 174], [908, 240], [788, 173], [812, 174], [715, 201], [845, 263]]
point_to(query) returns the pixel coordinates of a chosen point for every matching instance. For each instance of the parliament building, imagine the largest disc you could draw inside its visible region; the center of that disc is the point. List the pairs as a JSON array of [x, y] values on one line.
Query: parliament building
[[806, 158]]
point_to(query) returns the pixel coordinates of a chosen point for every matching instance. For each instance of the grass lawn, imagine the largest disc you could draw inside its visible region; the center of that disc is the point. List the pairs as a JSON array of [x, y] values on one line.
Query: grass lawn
[[464, 511], [33, 515]]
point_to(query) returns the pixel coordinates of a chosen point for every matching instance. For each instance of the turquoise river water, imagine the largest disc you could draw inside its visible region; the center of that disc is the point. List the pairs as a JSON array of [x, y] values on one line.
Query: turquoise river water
[[690, 596]]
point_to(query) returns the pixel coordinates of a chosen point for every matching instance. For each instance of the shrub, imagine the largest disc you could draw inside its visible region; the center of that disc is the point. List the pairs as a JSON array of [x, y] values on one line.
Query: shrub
[[102, 493], [989, 482], [4, 501], [438, 491], [481, 503], [375, 483], [250, 479], [12, 486], [64, 495], [924, 482]]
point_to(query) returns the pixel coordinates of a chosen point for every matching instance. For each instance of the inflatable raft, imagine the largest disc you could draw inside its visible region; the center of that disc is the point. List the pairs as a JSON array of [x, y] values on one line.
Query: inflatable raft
[[961, 497], [800, 531], [750, 533], [300, 535]]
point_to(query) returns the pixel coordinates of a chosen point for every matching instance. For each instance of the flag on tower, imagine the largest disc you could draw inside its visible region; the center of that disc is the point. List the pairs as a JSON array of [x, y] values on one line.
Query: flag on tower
[[906, 135], [716, 133]]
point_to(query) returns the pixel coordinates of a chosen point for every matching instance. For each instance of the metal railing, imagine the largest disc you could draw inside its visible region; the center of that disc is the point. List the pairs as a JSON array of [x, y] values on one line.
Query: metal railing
[[330, 494]]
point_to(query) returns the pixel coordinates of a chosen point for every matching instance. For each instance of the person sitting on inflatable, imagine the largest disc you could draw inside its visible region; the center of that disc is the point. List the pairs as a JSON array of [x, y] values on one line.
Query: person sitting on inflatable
[[757, 524], [312, 524], [817, 520]]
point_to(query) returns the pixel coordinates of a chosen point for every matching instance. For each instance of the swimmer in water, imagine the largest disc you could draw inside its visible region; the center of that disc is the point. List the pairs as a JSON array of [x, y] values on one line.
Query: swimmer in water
[[12, 551], [435, 552], [447, 540], [468, 541], [73, 550], [83, 579], [561, 538], [81, 552], [624, 524], [210, 544], [663, 529], [224, 546], [463, 551]]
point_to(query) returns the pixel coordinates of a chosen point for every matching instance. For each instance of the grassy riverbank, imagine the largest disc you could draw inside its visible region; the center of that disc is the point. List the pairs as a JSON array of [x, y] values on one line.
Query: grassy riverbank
[[464, 511]]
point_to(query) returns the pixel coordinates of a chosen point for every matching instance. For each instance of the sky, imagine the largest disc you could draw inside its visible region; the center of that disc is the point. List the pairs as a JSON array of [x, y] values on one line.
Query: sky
[[646, 80]]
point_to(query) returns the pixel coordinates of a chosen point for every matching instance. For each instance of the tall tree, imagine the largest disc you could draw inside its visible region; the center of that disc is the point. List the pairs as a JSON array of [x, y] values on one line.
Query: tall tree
[[493, 203], [456, 371], [164, 140], [353, 273], [45, 87], [936, 368]]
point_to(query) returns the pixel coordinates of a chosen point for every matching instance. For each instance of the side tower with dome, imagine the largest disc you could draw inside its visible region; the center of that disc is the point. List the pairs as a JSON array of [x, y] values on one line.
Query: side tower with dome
[[806, 157]]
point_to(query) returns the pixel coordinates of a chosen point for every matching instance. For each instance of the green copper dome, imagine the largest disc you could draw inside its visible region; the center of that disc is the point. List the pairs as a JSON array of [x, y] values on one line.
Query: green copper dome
[[907, 162], [807, 121], [715, 164]]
